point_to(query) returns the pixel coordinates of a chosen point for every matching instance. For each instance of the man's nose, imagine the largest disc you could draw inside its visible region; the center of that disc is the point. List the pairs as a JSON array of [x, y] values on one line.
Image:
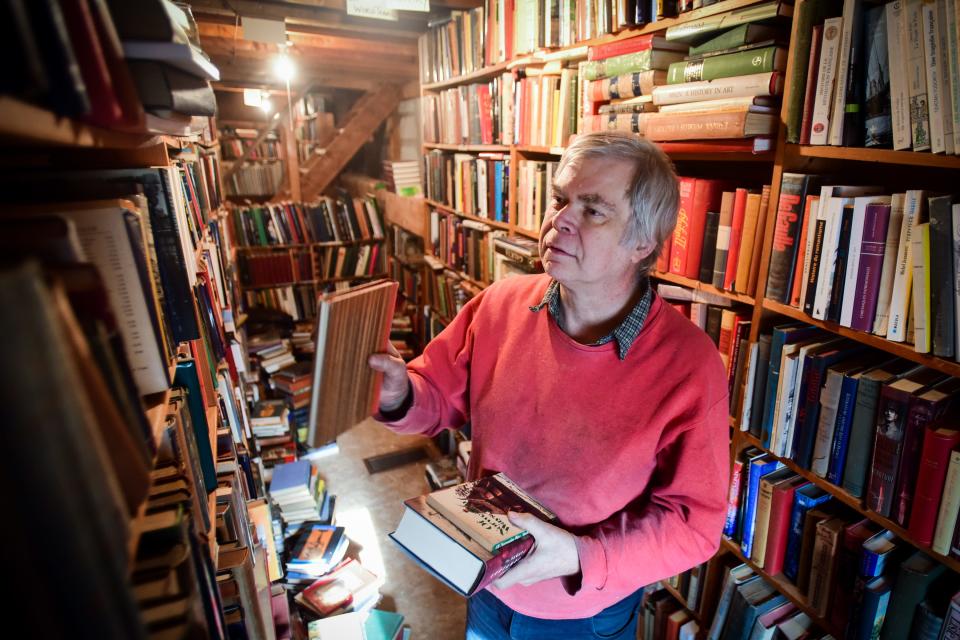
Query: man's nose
[[563, 220]]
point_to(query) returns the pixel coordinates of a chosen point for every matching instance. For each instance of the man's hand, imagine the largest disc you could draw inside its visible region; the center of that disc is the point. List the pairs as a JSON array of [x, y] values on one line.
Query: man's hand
[[554, 555], [396, 383]]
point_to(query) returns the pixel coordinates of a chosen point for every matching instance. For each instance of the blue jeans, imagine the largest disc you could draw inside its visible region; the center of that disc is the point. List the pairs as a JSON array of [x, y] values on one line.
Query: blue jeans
[[490, 619]]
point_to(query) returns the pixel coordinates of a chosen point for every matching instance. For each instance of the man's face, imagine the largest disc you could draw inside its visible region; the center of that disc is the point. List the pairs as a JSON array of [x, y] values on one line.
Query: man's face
[[582, 240]]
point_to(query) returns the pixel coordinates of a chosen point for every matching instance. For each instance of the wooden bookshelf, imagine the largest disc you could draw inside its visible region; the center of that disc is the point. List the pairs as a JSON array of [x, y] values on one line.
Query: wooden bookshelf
[[857, 504], [481, 74], [470, 148], [529, 233], [798, 152], [899, 349], [307, 245], [785, 587], [316, 282], [683, 601], [447, 209], [556, 152], [696, 285]]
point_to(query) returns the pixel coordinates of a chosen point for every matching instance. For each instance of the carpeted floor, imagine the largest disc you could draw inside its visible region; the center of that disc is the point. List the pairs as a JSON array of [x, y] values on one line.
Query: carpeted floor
[[370, 506]]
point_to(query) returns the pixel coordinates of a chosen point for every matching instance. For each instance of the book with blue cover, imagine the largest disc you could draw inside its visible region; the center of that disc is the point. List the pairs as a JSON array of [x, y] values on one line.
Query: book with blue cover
[[805, 498], [290, 478], [783, 334], [759, 467]]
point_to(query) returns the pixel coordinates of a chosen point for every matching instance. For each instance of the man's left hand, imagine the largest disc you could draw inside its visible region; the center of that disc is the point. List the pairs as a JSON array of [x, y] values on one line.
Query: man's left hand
[[554, 555]]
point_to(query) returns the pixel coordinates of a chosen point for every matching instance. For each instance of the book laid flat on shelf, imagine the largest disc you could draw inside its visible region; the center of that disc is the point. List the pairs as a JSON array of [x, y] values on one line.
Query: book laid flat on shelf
[[348, 587], [462, 536], [351, 325]]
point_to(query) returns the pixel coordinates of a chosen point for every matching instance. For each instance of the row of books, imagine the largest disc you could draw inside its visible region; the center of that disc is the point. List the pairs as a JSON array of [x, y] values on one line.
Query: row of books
[[718, 234], [467, 114], [663, 617], [534, 192], [322, 263], [233, 148], [131, 68], [878, 76], [255, 179], [446, 291], [343, 219], [869, 261], [719, 83], [474, 185], [860, 421], [844, 565], [298, 301], [470, 40], [462, 244], [727, 326]]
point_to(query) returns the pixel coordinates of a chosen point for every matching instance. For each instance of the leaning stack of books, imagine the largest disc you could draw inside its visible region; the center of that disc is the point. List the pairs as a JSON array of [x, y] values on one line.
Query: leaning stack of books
[[296, 383], [316, 550], [348, 587], [403, 178], [301, 339], [270, 418], [274, 355], [297, 489]]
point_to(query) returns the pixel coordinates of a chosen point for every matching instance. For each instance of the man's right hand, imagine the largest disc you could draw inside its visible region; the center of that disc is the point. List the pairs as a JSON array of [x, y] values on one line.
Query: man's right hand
[[396, 382]]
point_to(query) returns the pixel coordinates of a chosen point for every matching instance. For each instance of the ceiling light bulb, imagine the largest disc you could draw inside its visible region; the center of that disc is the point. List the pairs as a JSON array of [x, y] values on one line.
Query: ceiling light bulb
[[283, 67]]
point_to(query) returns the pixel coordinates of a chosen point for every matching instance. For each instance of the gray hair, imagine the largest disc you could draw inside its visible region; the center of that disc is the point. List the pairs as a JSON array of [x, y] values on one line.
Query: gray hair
[[652, 191]]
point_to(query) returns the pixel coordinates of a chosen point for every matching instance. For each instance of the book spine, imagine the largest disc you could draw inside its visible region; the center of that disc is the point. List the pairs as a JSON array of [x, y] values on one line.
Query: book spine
[[699, 28], [921, 288], [804, 43], [903, 269], [709, 250], [891, 421], [952, 52], [830, 406], [697, 126], [756, 472], [629, 63], [956, 273], [949, 507], [824, 552], [810, 93], [877, 128], [681, 262], [747, 247], [851, 11], [933, 60], [861, 432], [872, 250], [778, 528], [619, 48], [801, 261], [885, 286], [733, 499], [930, 484], [826, 76], [504, 560], [761, 528], [916, 76], [785, 235], [791, 561], [748, 86], [899, 87], [951, 621], [841, 436], [726, 66], [736, 232], [852, 133], [942, 275]]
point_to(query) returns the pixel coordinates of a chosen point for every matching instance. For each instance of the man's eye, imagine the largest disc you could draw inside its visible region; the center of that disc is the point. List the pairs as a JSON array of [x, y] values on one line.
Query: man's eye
[[593, 213], [557, 201]]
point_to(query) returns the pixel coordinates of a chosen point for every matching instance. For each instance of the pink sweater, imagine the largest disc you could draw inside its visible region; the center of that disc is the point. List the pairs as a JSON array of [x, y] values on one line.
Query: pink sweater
[[632, 456]]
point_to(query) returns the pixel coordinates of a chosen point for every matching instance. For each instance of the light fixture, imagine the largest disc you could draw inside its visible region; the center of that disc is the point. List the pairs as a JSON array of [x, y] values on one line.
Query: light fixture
[[265, 103], [283, 67]]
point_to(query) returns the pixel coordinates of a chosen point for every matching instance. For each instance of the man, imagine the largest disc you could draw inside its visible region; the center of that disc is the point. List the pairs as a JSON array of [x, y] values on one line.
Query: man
[[590, 393]]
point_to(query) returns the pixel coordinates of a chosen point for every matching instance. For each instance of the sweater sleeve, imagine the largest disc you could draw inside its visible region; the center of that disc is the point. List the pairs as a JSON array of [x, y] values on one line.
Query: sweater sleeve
[[677, 524], [440, 379]]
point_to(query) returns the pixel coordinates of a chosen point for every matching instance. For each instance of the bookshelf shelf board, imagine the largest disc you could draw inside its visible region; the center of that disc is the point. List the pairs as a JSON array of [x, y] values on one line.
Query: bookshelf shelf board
[[700, 286], [530, 233], [307, 245], [473, 148], [556, 152], [541, 151], [492, 223], [480, 74], [305, 283], [857, 504], [785, 587], [679, 598], [884, 156], [899, 349], [28, 123]]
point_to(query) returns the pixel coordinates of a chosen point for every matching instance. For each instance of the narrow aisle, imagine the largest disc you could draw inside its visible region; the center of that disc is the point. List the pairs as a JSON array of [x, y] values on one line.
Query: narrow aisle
[[369, 507]]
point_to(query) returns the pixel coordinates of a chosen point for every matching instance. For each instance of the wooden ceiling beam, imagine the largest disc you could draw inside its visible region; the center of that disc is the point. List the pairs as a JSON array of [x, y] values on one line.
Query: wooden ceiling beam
[[259, 75], [307, 67], [312, 42], [410, 25]]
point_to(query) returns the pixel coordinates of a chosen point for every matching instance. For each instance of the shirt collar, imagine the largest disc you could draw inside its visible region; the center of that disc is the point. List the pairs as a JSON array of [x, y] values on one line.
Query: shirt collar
[[625, 334]]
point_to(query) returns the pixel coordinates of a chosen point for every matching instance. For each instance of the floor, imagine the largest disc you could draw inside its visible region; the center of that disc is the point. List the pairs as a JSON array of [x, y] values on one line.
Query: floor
[[369, 507]]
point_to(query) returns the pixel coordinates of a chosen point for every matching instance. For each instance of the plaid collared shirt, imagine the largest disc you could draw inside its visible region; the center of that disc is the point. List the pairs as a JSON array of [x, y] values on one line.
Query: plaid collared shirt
[[625, 333]]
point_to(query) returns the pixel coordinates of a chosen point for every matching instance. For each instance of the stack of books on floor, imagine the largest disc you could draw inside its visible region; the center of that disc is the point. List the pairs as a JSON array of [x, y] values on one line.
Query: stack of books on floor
[[301, 339], [296, 383], [298, 491], [373, 625], [716, 81], [272, 354], [315, 549], [270, 419], [403, 178], [441, 473]]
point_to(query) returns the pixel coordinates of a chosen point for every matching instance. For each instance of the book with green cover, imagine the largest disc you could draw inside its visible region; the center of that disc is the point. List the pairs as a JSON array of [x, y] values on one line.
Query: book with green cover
[[811, 12], [728, 66], [630, 63], [737, 37], [700, 30]]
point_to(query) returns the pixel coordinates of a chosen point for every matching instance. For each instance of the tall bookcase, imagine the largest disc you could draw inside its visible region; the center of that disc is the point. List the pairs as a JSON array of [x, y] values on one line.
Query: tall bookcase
[[895, 170]]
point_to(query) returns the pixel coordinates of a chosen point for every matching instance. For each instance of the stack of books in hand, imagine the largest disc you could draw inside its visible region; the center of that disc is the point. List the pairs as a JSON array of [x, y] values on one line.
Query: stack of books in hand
[[347, 588], [473, 517], [296, 488]]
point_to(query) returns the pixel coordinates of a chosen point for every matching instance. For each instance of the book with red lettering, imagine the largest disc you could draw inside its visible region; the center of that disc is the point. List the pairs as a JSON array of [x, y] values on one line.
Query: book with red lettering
[[794, 188], [697, 196], [468, 542]]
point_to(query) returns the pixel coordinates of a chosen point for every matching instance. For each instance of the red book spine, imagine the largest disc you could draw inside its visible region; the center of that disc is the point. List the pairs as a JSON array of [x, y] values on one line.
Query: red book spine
[[798, 268], [681, 262], [507, 556], [922, 412], [486, 111], [663, 261], [707, 195], [736, 230], [620, 47], [813, 69], [937, 446], [781, 506]]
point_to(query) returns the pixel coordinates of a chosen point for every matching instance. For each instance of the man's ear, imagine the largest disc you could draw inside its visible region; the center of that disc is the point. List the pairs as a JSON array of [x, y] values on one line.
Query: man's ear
[[640, 252]]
